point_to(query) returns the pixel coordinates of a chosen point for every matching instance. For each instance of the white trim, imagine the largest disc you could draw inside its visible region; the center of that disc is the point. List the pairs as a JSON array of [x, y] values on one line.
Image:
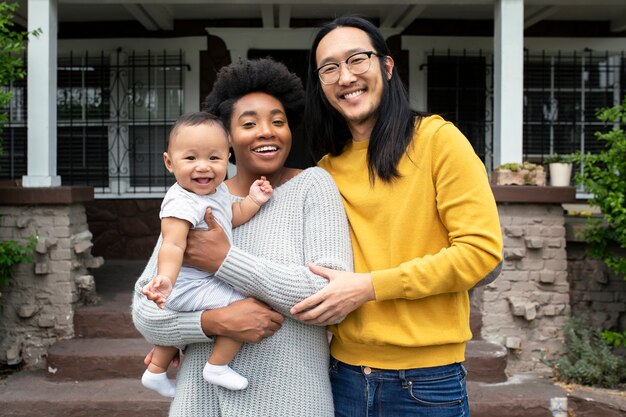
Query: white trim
[[508, 124], [191, 47], [267, 15], [138, 12], [618, 23], [539, 15], [284, 15], [42, 94], [413, 13], [393, 15]]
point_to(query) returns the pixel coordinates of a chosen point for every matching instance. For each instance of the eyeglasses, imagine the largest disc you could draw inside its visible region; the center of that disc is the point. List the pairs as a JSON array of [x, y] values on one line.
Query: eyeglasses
[[357, 63]]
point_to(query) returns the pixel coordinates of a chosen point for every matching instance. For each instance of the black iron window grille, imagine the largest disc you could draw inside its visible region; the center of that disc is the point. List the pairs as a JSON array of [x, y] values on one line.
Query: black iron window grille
[[460, 89], [562, 92], [114, 112]]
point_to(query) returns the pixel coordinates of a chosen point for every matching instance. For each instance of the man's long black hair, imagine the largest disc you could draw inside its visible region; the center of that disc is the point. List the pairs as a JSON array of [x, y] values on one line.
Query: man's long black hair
[[327, 130]]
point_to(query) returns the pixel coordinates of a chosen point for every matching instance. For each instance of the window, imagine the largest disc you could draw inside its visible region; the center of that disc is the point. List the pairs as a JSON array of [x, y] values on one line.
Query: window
[[459, 89], [562, 92], [114, 112]]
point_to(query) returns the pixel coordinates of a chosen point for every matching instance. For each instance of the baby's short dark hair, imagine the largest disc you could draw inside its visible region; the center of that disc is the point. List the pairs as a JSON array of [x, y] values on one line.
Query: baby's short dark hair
[[195, 119]]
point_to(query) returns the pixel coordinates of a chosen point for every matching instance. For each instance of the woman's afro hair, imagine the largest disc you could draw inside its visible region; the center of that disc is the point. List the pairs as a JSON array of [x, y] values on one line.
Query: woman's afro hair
[[258, 75]]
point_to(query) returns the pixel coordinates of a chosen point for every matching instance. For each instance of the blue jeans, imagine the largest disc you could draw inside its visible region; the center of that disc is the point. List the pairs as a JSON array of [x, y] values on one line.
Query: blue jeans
[[359, 391]]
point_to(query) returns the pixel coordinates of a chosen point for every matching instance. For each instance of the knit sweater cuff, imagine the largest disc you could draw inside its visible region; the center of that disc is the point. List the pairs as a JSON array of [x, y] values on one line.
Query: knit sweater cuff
[[190, 327], [237, 268]]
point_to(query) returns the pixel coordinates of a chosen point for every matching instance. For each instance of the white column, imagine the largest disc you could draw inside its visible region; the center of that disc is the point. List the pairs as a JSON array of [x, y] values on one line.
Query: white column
[[508, 81], [418, 83], [42, 88]]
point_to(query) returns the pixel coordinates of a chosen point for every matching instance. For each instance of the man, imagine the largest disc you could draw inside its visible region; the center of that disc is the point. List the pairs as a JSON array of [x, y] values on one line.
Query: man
[[424, 228]]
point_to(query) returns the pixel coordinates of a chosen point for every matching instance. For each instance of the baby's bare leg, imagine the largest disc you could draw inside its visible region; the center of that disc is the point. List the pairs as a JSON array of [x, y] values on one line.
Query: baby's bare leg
[[155, 377], [217, 371], [224, 350], [161, 358]]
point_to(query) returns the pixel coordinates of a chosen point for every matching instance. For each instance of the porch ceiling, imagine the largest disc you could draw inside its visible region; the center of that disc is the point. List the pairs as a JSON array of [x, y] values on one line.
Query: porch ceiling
[[160, 14]]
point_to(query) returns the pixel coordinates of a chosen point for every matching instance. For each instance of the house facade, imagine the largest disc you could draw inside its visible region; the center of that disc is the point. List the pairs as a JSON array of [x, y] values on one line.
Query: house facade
[[521, 78]]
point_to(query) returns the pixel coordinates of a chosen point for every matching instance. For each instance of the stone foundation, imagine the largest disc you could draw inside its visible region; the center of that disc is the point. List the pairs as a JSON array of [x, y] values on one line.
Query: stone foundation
[[526, 308], [595, 290], [37, 308]]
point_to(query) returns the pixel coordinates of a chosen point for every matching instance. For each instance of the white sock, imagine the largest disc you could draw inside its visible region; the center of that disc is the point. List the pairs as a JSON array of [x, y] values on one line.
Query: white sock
[[223, 376], [159, 383]]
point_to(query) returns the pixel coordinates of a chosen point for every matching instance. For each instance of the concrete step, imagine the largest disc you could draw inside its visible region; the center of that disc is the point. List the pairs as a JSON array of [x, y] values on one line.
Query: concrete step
[[109, 319], [485, 361], [523, 395], [97, 358], [32, 394]]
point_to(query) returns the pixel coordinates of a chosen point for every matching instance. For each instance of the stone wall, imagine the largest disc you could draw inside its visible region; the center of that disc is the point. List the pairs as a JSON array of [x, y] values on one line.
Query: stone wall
[[595, 290], [37, 308], [124, 229], [526, 308]]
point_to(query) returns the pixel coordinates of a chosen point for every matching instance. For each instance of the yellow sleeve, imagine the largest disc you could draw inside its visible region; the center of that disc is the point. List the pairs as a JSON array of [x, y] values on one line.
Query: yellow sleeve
[[467, 209]]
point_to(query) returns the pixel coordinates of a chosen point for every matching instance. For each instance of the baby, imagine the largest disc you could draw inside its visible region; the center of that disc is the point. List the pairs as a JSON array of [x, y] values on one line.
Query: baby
[[197, 155]]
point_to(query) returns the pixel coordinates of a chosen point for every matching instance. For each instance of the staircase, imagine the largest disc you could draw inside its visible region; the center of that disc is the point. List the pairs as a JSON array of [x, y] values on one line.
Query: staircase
[[97, 374]]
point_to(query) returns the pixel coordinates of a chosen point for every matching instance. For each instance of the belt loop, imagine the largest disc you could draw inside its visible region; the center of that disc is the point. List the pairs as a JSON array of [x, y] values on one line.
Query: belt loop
[[402, 378]]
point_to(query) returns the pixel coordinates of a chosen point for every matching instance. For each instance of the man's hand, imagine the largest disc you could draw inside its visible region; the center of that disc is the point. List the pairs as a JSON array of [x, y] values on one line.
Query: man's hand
[[246, 320], [345, 292], [207, 249], [158, 289]]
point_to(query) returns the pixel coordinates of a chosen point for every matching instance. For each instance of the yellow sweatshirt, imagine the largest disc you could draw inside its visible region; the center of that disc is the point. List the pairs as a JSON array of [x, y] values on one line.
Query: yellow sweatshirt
[[427, 238]]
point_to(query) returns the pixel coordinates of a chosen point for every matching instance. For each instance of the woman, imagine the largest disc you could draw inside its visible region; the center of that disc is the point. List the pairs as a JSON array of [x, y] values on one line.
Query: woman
[[303, 223]]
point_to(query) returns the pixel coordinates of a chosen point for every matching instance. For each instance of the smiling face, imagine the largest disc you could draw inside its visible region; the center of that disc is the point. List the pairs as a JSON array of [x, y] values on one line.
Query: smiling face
[[356, 97], [198, 157], [260, 134]]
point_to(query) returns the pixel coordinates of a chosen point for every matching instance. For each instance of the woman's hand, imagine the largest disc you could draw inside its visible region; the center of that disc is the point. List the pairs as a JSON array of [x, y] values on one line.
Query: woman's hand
[[175, 360], [207, 249], [247, 320], [345, 292]]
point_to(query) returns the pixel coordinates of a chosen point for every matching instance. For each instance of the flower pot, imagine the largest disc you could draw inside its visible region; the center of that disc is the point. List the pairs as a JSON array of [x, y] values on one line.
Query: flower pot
[[519, 177], [560, 174]]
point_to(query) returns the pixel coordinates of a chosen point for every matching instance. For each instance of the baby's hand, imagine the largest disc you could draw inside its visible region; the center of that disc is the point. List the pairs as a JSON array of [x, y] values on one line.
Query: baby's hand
[[261, 191], [158, 290]]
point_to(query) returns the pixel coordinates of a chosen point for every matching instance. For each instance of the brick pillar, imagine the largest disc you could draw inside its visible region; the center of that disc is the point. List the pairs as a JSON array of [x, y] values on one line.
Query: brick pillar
[[37, 308], [526, 308]]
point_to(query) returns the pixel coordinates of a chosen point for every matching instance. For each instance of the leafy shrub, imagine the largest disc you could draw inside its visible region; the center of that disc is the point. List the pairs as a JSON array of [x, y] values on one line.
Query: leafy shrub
[[590, 360], [614, 339], [13, 253], [604, 175]]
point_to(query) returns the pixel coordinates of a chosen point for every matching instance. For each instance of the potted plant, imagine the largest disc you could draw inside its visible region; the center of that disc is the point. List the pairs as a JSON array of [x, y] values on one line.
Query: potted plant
[[515, 173], [560, 167]]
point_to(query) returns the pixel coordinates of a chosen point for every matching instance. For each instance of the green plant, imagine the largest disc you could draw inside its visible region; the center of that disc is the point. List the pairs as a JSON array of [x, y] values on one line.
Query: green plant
[[604, 175], [12, 46], [516, 166], [559, 158], [614, 339], [589, 360], [13, 253]]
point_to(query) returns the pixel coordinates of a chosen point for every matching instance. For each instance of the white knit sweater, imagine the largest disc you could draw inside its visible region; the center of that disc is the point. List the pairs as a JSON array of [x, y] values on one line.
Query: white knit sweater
[[303, 222]]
